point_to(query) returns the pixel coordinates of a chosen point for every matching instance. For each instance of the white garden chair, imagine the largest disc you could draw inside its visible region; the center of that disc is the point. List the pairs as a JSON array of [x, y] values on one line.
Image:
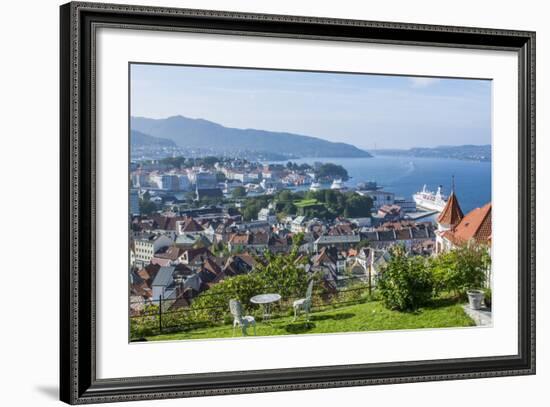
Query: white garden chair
[[304, 304], [239, 320]]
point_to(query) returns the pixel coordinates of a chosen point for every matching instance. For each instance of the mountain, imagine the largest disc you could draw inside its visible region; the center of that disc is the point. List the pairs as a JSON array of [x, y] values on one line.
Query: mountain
[[466, 152], [200, 134], [139, 139]]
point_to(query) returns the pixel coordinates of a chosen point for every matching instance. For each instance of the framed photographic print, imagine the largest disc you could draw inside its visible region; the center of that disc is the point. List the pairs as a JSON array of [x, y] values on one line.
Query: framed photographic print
[[256, 203]]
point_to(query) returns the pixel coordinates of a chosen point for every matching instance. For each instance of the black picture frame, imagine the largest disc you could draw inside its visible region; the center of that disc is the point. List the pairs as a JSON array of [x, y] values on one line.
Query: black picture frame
[[78, 382]]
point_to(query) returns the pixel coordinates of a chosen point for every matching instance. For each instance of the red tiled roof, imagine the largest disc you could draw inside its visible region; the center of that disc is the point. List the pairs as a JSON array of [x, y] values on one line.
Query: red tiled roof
[[340, 230], [475, 225], [191, 225], [212, 266], [149, 272], [171, 253], [201, 251], [324, 256], [238, 238], [259, 238], [247, 258], [165, 222], [451, 214]]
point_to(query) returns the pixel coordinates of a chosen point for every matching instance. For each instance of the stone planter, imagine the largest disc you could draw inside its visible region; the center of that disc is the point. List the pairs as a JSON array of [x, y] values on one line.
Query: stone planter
[[475, 298]]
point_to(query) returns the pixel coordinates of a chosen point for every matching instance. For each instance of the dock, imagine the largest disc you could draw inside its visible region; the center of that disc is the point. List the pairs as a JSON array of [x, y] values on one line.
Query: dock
[[420, 214]]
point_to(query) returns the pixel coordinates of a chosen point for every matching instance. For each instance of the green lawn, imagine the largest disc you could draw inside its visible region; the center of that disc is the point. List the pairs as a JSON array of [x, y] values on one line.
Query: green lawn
[[306, 202], [370, 316]]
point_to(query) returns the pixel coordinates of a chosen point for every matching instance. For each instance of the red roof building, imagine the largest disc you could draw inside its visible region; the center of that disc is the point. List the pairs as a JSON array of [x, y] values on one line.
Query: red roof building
[[451, 214], [190, 225], [475, 225], [455, 228]]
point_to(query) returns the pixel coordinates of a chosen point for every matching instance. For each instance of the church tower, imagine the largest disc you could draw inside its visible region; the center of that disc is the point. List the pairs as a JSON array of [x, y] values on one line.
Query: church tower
[[451, 215], [448, 219]]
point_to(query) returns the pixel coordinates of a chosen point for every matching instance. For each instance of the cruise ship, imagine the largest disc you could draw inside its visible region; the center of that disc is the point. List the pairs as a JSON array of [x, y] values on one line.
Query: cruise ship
[[428, 200]]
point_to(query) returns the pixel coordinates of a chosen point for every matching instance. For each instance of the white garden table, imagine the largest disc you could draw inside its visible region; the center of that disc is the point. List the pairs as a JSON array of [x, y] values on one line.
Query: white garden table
[[265, 300]]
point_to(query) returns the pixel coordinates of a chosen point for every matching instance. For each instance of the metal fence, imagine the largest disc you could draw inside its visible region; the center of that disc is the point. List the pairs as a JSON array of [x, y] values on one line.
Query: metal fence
[[160, 316]]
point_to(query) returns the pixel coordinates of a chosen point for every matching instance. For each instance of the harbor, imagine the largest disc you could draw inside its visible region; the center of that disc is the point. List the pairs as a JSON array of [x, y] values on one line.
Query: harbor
[[420, 214]]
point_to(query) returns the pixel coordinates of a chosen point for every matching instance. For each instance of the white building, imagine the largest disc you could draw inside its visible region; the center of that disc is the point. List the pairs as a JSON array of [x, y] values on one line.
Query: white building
[[170, 182], [147, 245], [166, 182], [267, 215], [205, 180], [406, 206], [298, 224], [379, 198], [134, 203], [368, 264], [184, 183], [140, 180]]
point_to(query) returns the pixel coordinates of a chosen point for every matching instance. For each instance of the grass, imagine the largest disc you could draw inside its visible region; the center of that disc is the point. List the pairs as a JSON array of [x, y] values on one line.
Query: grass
[[306, 202], [370, 316]]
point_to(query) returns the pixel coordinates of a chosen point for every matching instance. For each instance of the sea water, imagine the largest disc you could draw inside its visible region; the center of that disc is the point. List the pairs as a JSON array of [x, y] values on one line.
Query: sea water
[[406, 175]]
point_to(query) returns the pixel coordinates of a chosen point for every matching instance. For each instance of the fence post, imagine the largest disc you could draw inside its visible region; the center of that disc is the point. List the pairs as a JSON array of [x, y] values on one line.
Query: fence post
[[160, 313], [370, 285]]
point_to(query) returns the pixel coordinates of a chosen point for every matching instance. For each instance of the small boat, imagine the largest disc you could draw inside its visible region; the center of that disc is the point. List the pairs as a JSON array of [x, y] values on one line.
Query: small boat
[[315, 186], [337, 184]]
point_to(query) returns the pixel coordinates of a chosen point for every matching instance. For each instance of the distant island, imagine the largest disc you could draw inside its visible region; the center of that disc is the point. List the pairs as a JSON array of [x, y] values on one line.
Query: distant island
[[465, 152], [201, 137]]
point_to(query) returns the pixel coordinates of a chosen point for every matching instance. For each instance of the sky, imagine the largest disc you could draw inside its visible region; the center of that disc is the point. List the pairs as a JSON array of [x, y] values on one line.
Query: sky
[[368, 111]]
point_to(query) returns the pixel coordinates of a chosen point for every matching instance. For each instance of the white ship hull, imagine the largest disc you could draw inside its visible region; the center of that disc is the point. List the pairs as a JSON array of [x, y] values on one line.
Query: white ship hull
[[425, 204], [428, 200]]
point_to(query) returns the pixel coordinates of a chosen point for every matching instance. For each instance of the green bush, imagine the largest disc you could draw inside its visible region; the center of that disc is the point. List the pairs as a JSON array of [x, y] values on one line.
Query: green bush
[[284, 273], [461, 269], [141, 327], [213, 304], [356, 291], [146, 324], [405, 283], [488, 297]]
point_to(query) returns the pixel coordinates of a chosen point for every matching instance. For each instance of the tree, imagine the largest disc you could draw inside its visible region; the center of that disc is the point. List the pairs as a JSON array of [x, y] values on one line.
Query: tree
[[239, 192], [331, 171], [298, 239], [463, 268], [252, 207], [284, 273], [357, 206], [285, 196], [147, 207], [177, 162], [405, 283], [210, 160]]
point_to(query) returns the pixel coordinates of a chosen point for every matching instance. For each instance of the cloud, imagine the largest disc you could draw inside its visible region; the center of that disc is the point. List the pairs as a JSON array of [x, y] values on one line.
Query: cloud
[[423, 82]]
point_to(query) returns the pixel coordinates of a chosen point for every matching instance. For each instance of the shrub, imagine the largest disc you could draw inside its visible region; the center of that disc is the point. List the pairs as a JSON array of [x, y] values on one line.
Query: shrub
[[141, 327], [284, 273], [405, 283], [145, 324], [461, 269], [356, 291], [213, 305], [488, 297]]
